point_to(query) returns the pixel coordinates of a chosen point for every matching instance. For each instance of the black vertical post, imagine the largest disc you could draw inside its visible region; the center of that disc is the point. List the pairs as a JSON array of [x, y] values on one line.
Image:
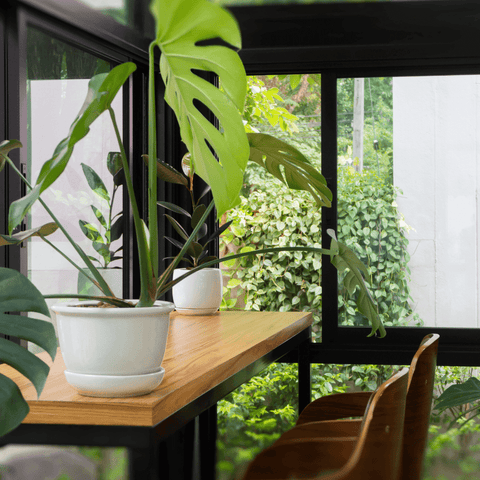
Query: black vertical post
[[208, 443], [329, 215], [304, 373]]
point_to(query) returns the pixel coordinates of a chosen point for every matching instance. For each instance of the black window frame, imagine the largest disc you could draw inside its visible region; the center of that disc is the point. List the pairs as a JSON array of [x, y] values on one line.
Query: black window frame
[[338, 40], [424, 37]]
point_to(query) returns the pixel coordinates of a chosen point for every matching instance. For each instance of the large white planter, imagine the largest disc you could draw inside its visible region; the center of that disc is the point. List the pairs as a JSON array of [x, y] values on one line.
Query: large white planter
[[198, 294], [113, 352]]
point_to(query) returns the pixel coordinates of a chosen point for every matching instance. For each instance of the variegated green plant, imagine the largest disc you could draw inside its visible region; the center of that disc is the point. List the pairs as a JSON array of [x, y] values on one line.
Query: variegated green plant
[[187, 33]]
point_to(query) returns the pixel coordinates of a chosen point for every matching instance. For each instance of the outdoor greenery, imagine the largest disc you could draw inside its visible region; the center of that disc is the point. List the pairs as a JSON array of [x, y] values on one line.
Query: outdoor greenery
[[254, 416]]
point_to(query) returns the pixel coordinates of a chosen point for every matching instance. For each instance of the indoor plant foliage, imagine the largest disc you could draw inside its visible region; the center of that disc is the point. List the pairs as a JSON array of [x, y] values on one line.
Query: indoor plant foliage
[[18, 294], [219, 157]]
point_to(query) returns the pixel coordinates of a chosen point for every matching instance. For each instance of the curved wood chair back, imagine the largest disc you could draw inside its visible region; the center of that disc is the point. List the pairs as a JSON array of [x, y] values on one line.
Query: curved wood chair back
[[376, 451], [419, 403], [417, 412]]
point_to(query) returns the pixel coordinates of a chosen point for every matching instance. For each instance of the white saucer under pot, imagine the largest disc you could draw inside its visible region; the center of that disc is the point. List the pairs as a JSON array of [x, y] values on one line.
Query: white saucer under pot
[[198, 294], [112, 346], [114, 386]]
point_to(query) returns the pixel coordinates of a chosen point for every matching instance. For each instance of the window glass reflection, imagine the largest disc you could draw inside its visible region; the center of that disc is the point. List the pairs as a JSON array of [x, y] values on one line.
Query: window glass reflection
[[58, 76]]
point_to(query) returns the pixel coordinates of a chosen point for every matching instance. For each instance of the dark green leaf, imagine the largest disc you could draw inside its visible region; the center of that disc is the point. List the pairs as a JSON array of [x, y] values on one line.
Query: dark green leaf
[[37, 331], [19, 237], [219, 231], [25, 362], [460, 394], [175, 242], [178, 228], [197, 214], [117, 229], [289, 165], [13, 407], [119, 178], [114, 162], [18, 294], [167, 173], [174, 208], [204, 192]]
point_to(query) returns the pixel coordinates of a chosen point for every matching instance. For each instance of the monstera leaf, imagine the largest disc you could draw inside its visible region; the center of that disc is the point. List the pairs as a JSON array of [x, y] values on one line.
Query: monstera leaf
[[102, 89], [183, 28], [289, 165], [18, 294], [345, 260]]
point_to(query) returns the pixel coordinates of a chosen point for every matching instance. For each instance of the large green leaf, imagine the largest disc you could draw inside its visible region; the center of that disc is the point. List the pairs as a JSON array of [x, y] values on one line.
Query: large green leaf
[[289, 165], [460, 394], [182, 25], [18, 294], [19, 237], [13, 407], [346, 261], [102, 89]]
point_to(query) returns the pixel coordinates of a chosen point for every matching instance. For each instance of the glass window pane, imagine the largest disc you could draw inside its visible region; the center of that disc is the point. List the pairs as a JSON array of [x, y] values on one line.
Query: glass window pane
[[113, 8], [58, 76], [407, 196], [271, 214]]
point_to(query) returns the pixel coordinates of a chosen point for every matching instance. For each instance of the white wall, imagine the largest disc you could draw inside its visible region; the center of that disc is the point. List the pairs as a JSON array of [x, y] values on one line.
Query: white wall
[[55, 104], [435, 137]]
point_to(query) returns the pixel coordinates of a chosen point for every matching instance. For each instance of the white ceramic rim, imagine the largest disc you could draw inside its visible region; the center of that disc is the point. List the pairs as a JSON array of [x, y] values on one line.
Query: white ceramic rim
[[71, 308]]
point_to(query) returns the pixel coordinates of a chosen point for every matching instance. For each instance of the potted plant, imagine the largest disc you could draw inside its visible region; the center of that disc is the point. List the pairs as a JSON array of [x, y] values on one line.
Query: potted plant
[[107, 229], [219, 158], [201, 293]]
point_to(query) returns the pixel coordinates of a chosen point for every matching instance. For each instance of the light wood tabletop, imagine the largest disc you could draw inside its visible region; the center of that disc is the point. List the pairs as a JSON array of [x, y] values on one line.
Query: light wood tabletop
[[202, 352]]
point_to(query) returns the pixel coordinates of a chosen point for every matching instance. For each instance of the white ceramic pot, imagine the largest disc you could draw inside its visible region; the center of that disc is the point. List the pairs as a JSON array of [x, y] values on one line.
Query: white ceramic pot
[[198, 294], [113, 276], [113, 352]]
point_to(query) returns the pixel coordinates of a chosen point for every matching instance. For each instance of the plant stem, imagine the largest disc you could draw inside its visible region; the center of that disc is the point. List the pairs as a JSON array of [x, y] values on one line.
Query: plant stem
[[152, 163], [81, 270], [147, 279], [102, 284]]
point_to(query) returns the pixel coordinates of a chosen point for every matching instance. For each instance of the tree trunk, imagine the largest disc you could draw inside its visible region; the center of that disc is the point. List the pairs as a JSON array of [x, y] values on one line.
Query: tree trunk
[[358, 119]]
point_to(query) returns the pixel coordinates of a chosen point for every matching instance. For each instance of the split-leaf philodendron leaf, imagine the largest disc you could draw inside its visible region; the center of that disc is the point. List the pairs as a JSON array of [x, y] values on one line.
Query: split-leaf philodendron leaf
[[102, 89], [345, 260], [181, 26], [18, 294], [289, 165]]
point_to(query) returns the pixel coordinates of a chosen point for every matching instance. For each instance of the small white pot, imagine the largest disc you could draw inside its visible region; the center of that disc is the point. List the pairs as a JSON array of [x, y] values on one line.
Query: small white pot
[[113, 352], [198, 294]]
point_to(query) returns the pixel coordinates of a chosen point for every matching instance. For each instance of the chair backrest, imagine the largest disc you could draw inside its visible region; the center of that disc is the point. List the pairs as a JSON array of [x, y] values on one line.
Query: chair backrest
[[374, 454], [419, 403], [377, 453]]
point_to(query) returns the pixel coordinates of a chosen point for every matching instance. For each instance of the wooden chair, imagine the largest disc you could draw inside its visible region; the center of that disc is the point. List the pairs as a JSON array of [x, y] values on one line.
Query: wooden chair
[[417, 412], [419, 401], [374, 454]]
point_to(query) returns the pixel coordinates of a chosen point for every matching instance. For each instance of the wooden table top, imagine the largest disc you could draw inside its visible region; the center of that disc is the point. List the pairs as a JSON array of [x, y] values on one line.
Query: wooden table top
[[201, 352]]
